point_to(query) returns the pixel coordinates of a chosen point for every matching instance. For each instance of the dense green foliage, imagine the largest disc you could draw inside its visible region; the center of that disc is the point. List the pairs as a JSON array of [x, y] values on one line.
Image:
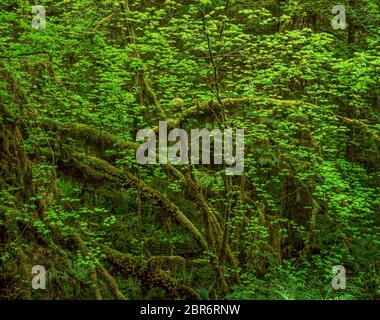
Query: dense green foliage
[[74, 199]]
